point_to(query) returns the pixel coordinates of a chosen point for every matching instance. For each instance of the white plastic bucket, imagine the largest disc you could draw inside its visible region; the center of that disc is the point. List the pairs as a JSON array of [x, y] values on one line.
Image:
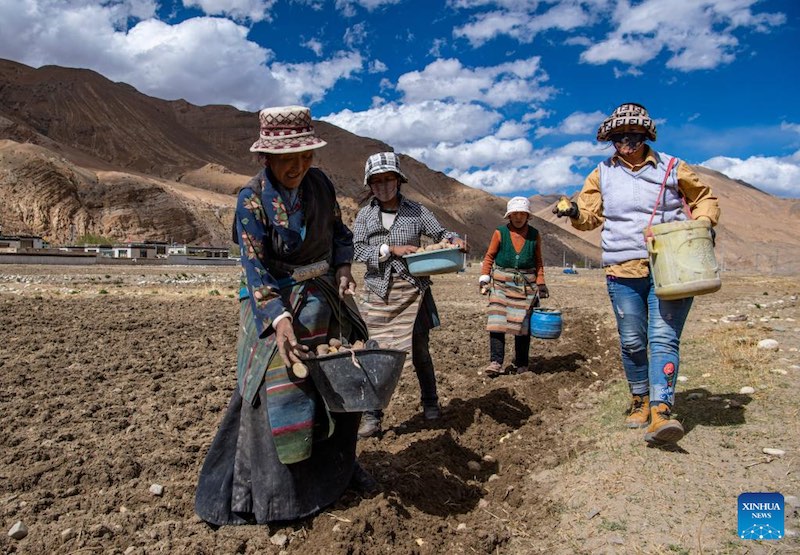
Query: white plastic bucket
[[682, 260]]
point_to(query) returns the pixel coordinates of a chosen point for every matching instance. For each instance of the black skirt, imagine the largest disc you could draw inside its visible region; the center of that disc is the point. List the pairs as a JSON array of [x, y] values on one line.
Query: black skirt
[[243, 482]]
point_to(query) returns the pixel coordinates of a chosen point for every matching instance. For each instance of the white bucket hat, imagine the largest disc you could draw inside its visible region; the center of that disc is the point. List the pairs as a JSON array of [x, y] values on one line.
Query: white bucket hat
[[518, 204], [286, 129], [383, 162]]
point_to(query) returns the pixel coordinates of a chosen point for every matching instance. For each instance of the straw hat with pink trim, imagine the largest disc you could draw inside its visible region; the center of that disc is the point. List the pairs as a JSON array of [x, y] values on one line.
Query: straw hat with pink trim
[[286, 129]]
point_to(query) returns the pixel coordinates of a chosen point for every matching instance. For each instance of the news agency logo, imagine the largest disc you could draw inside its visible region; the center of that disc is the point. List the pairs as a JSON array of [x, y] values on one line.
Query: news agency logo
[[760, 516]]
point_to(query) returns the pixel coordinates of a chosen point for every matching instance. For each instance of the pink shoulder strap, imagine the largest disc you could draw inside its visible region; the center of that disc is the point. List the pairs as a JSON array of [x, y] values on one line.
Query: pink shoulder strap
[[670, 165]]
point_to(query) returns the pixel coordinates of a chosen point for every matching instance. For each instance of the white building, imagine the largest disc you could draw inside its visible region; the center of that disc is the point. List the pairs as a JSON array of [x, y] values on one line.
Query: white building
[[200, 252], [12, 243], [135, 250]]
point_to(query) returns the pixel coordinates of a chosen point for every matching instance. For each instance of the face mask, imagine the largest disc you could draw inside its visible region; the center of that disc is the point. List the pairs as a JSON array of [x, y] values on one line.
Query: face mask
[[385, 192], [630, 140]]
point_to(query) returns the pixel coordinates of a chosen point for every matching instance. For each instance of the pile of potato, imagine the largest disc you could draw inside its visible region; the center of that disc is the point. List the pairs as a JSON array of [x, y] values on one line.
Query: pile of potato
[[339, 346], [300, 370], [443, 244]]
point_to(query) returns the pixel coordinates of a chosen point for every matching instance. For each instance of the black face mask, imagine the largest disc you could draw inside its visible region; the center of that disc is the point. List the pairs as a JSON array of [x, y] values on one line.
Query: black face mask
[[632, 140]]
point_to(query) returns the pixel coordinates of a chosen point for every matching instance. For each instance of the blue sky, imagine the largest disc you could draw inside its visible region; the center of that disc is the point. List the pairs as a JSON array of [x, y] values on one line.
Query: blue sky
[[504, 95]]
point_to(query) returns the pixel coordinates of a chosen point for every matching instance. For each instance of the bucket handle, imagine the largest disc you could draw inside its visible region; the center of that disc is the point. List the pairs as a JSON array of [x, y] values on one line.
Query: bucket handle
[[651, 244], [358, 365]]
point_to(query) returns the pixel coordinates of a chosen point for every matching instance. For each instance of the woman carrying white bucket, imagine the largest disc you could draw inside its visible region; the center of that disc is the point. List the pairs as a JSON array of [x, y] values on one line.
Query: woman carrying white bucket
[[629, 192]]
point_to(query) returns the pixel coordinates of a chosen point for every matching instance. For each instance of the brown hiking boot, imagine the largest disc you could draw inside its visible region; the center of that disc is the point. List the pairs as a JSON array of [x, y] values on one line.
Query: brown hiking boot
[[662, 429], [639, 412]]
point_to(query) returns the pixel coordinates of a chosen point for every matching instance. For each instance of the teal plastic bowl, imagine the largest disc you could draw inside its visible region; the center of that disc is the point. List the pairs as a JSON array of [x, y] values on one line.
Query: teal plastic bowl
[[430, 263]]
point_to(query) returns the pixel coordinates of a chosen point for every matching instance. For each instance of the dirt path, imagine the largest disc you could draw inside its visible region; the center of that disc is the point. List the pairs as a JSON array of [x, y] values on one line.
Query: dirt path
[[112, 380]]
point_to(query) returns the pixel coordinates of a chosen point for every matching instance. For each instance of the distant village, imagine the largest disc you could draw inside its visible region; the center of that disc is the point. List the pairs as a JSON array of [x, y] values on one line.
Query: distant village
[[33, 249]]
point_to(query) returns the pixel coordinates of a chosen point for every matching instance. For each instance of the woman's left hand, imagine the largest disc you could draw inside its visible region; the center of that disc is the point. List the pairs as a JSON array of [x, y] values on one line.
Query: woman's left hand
[[544, 293], [461, 244], [345, 281]]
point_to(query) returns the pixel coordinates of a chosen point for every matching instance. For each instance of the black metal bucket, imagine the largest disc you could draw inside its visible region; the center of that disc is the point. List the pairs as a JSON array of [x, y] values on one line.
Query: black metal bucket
[[347, 388]]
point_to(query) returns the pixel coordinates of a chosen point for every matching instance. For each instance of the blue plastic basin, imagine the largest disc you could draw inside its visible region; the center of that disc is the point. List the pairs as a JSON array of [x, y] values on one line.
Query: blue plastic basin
[[546, 323], [429, 263]]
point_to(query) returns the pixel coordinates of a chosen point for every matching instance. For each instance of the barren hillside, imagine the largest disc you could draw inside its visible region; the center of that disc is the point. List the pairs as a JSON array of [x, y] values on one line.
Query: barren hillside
[[162, 155]]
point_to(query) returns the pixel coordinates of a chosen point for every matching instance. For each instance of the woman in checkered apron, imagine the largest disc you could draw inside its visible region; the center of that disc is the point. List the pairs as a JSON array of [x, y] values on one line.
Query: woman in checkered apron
[[398, 308], [513, 276]]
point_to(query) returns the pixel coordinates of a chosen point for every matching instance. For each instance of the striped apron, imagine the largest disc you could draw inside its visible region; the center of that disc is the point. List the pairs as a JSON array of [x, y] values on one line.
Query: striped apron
[[512, 298], [391, 321]]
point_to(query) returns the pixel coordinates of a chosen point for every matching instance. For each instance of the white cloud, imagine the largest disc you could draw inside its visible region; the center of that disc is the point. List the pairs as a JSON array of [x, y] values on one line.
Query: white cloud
[[163, 60], [70, 33], [419, 125], [254, 10], [491, 25], [510, 129], [473, 145], [585, 149], [436, 48], [618, 73], [518, 81], [546, 174], [377, 66], [578, 41], [518, 5], [536, 115], [577, 123], [786, 126], [316, 5], [477, 146], [519, 20], [636, 51], [776, 175], [371, 5], [554, 173], [348, 7], [697, 35], [487, 151], [174, 61], [314, 45], [355, 35], [310, 81], [544, 170]]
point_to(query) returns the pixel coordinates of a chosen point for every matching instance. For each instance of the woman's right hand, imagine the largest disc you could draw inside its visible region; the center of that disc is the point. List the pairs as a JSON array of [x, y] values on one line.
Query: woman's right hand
[[566, 207], [484, 284], [402, 250], [288, 347]]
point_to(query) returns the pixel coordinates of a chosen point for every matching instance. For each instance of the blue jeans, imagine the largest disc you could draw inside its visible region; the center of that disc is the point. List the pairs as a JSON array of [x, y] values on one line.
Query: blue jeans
[[644, 321]]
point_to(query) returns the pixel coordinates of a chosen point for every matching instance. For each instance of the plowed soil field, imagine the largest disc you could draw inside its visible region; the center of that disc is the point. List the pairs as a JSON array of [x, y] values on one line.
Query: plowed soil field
[[113, 380]]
